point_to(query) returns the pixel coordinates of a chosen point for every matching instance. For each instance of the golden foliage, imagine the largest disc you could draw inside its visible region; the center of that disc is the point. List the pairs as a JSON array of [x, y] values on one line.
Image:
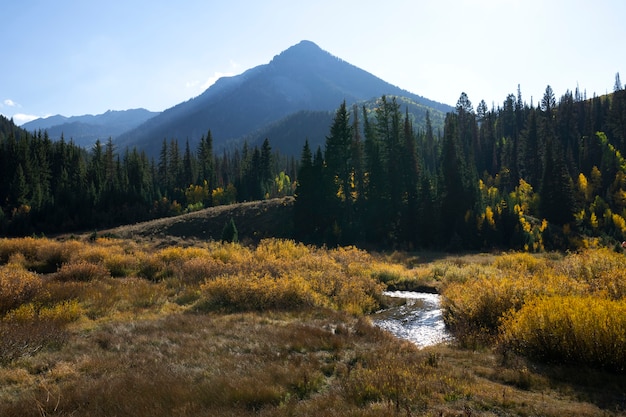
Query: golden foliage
[[17, 286], [571, 329], [82, 271], [569, 309]]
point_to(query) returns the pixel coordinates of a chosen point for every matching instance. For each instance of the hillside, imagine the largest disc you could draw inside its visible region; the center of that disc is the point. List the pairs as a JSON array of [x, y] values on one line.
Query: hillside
[[288, 134], [302, 78], [254, 221]]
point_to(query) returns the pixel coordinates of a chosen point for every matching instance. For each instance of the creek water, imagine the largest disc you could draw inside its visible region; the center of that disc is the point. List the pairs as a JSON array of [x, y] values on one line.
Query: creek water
[[419, 319]]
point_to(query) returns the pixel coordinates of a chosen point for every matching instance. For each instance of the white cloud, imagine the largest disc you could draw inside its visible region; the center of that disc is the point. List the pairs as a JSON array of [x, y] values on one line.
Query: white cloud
[[20, 118], [191, 84], [216, 76], [9, 103]]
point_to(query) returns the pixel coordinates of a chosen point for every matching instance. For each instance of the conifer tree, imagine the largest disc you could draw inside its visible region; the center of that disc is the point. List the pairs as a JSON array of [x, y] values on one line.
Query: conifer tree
[[305, 213], [556, 194], [457, 183]]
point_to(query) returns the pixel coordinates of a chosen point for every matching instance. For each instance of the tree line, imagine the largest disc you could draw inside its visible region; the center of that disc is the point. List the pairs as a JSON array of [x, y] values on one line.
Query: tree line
[[519, 175], [55, 186]]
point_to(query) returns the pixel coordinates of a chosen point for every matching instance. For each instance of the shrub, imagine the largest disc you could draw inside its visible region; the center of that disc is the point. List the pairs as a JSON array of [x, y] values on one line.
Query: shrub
[[60, 313], [256, 293], [150, 267], [200, 269], [17, 286], [475, 308], [27, 246], [121, 264], [603, 270], [572, 329], [82, 271], [521, 262]]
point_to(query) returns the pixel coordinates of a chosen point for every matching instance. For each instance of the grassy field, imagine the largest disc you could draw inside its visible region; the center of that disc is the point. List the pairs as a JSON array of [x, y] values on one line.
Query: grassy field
[[186, 327]]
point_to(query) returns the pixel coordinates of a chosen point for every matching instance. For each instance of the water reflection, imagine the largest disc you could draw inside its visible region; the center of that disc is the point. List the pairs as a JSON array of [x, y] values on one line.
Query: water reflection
[[419, 320]]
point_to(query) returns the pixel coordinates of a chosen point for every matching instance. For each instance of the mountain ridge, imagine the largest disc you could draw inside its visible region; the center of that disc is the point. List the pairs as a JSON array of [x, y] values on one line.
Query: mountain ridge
[[84, 130], [303, 77]]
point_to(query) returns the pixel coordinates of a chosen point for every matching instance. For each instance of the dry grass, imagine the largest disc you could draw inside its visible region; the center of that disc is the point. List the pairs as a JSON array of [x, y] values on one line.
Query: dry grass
[[123, 328]]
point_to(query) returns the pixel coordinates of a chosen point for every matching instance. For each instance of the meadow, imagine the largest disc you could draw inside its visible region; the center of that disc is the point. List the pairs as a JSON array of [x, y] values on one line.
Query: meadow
[[108, 326]]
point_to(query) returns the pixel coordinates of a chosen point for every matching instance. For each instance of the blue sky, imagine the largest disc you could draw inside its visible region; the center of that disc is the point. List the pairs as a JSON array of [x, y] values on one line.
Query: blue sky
[[86, 57]]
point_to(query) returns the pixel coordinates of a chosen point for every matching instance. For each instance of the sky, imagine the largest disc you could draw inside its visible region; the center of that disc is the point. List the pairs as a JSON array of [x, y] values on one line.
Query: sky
[[75, 57]]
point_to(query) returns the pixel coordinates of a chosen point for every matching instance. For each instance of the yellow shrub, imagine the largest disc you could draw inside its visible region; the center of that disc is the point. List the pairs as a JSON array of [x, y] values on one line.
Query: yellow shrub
[[177, 254], [27, 246], [272, 249], [571, 329], [63, 312], [233, 253], [121, 264], [477, 306], [52, 254], [82, 271], [357, 296], [150, 266], [602, 270], [257, 293], [520, 262], [17, 286], [200, 269]]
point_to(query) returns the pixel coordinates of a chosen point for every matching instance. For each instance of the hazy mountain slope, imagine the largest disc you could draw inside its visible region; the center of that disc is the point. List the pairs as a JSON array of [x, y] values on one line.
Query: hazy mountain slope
[[86, 129], [302, 78], [289, 134]]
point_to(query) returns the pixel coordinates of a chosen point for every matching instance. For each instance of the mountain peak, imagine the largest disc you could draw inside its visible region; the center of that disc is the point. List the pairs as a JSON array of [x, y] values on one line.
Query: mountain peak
[[302, 51], [302, 78]]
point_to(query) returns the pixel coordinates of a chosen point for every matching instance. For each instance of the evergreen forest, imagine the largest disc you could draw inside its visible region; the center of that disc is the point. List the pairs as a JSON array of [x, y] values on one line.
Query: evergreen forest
[[519, 175], [58, 187]]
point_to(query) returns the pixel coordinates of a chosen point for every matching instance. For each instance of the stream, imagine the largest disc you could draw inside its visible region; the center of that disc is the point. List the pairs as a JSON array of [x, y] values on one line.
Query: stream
[[419, 320]]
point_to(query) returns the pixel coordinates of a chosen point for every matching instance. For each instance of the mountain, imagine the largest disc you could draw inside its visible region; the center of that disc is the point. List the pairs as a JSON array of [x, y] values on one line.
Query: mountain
[[85, 130], [303, 78]]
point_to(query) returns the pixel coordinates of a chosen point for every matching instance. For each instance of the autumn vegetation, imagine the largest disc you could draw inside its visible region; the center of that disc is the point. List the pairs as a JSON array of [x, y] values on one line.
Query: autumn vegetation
[[107, 326]]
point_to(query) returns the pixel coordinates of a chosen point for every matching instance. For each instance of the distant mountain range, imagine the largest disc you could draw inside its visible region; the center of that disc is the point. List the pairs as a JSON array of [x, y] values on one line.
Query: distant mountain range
[[85, 130], [288, 100]]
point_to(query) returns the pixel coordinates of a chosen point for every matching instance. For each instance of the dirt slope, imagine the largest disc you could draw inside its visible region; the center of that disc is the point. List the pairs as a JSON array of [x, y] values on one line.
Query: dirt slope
[[254, 221]]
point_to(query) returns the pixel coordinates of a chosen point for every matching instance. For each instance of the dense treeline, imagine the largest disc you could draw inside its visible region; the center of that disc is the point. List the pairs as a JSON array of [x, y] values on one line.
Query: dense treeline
[[517, 175], [520, 175], [55, 186]]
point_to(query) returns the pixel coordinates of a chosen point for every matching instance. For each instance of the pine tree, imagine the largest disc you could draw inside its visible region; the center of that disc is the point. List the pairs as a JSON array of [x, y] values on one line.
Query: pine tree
[[189, 173], [556, 194], [229, 232], [457, 194], [375, 186], [338, 168], [265, 170], [163, 170], [305, 213], [410, 173], [338, 152]]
